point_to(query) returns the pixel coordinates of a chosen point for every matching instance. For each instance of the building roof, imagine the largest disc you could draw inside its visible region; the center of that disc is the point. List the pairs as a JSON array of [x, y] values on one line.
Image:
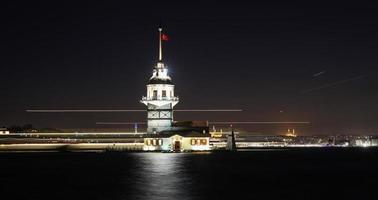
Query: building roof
[[170, 133], [160, 81], [190, 124]]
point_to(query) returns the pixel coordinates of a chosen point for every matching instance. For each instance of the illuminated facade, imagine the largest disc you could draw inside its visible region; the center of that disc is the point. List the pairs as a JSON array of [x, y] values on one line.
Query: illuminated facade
[[177, 142], [4, 131], [160, 98], [163, 133]]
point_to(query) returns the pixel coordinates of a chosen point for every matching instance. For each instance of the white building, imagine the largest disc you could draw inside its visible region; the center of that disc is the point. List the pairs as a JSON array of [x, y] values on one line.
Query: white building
[[160, 98], [4, 131], [177, 142]]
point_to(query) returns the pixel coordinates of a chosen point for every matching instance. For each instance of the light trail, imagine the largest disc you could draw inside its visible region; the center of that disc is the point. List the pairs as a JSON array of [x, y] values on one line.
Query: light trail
[[73, 111], [260, 122], [128, 123], [333, 84], [320, 73], [119, 123], [210, 110], [102, 111]]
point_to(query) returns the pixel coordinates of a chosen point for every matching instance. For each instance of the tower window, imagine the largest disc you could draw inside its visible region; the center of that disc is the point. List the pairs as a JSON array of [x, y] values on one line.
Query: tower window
[[164, 93], [155, 94]]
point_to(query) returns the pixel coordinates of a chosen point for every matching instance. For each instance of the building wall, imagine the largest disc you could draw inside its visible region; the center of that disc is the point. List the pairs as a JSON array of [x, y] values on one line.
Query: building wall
[[4, 132], [159, 88], [159, 118], [158, 125], [196, 144], [161, 144], [167, 144]]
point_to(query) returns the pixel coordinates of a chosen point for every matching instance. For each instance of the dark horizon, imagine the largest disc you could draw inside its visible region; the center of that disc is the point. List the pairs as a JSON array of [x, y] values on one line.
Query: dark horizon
[[277, 62]]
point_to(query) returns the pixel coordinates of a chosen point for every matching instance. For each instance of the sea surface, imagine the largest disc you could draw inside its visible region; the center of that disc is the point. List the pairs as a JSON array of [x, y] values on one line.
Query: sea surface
[[319, 173]]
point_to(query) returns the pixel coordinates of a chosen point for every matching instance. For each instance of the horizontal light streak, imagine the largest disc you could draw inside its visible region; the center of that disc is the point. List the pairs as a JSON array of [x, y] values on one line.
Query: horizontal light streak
[[210, 110], [73, 111], [84, 111], [120, 123], [260, 122]]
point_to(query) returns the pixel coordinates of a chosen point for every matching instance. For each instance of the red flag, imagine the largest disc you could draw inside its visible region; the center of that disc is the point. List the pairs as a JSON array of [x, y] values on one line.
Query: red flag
[[164, 37]]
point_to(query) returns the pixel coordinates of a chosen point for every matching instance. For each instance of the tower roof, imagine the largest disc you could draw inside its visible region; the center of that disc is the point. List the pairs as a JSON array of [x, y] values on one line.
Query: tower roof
[[160, 72], [157, 80]]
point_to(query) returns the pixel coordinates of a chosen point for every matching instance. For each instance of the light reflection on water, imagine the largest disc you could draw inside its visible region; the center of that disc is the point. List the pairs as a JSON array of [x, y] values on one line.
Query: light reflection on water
[[257, 174], [161, 176], [262, 150]]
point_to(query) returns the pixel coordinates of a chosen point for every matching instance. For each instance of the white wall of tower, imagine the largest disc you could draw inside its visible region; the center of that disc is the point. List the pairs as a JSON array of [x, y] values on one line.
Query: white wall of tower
[[158, 125], [160, 98], [159, 90]]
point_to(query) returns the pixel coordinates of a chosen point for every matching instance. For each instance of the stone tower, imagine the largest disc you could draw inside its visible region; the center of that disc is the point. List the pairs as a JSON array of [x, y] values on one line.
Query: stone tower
[[160, 98]]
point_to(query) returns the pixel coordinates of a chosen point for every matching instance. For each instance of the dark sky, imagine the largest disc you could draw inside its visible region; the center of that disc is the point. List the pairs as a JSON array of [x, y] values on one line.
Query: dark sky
[[314, 62]]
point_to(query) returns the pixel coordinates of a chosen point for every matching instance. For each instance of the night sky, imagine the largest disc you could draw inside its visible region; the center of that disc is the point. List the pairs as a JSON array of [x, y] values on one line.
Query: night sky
[[277, 62]]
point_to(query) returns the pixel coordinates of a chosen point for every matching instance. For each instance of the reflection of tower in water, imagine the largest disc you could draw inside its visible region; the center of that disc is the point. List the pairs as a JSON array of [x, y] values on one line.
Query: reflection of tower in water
[[162, 176]]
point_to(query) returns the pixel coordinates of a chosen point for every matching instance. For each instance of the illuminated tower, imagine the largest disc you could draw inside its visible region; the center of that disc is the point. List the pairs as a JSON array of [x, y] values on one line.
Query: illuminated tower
[[160, 98]]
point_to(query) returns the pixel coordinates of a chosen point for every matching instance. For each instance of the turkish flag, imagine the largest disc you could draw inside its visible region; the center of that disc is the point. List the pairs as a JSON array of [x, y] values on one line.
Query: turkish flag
[[164, 37]]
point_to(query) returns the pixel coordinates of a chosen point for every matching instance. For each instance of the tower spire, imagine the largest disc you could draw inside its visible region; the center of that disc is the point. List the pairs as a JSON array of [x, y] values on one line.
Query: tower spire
[[160, 45]]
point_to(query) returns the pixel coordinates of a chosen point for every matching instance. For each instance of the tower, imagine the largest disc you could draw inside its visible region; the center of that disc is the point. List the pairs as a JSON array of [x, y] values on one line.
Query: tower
[[160, 98], [231, 144]]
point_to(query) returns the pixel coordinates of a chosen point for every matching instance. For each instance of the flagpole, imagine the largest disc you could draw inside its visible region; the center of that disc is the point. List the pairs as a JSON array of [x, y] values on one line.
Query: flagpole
[[160, 47]]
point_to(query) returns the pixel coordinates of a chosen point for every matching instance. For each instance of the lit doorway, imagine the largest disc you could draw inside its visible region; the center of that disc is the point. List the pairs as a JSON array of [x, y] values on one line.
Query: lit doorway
[[177, 146]]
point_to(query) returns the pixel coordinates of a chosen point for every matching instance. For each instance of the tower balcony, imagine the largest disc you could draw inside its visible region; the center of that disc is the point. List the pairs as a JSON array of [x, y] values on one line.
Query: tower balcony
[[159, 101]]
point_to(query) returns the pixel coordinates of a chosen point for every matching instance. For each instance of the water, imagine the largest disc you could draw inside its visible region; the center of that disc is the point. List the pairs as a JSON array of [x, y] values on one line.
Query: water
[[257, 174]]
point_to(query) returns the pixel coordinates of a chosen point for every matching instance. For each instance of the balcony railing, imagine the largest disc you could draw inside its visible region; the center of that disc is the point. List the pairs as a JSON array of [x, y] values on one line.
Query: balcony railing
[[160, 98]]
